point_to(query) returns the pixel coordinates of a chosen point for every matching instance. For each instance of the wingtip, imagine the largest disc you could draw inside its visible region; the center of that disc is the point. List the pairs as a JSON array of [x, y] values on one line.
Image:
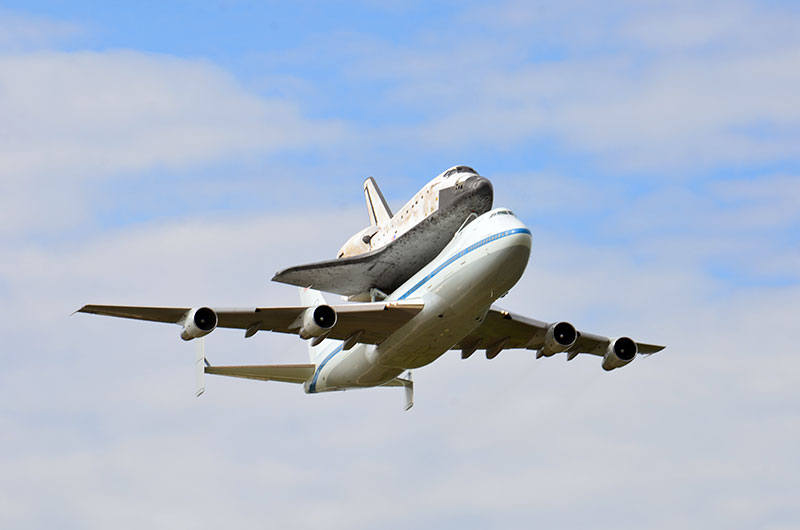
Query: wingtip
[[278, 276]]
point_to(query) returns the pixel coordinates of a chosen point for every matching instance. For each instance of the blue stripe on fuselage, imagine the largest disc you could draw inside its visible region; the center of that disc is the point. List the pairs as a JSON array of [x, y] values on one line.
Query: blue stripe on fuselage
[[313, 387], [456, 257]]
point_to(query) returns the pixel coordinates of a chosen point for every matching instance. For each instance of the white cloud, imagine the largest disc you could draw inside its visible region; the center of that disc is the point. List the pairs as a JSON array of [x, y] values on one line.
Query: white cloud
[[673, 88], [21, 31], [712, 26], [684, 114], [122, 111], [75, 118]]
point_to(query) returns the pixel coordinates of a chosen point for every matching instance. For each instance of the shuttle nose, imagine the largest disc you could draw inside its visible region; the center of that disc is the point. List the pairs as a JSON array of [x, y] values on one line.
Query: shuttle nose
[[481, 187], [473, 194]]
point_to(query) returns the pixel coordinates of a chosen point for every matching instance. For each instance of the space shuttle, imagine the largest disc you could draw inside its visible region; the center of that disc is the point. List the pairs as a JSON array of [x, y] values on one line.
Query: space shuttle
[[379, 258]]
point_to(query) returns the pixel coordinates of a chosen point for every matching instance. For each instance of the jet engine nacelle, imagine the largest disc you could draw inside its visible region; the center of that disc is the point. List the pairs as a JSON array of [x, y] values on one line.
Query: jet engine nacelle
[[317, 321], [560, 336], [199, 322], [620, 352]]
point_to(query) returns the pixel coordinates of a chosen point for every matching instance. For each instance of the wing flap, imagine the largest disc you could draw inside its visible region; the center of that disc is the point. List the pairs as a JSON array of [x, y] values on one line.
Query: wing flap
[[522, 332], [285, 373], [375, 320]]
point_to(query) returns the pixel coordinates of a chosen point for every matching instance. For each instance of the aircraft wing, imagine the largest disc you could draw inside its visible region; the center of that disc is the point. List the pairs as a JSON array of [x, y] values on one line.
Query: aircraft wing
[[375, 320], [516, 331]]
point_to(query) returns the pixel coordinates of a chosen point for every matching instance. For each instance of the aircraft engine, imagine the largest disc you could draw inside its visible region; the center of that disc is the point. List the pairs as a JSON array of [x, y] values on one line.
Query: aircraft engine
[[560, 337], [317, 321], [620, 352], [198, 322]]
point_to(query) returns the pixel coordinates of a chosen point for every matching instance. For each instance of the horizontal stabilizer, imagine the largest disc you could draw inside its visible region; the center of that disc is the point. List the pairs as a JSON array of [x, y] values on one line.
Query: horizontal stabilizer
[[286, 373]]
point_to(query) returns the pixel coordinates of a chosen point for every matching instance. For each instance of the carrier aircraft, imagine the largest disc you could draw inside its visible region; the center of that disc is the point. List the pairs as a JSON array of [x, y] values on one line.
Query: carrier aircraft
[[446, 305]]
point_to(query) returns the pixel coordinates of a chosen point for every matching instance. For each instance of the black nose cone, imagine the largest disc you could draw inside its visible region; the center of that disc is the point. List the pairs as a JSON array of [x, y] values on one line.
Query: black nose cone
[[482, 189]]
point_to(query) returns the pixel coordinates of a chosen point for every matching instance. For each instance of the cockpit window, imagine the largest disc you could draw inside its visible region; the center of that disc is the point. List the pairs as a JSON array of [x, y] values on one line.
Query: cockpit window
[[501, 212], [459, 169]]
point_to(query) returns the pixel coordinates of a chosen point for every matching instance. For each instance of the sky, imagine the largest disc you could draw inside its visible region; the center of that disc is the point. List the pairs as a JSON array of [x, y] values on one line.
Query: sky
[[180, 153]]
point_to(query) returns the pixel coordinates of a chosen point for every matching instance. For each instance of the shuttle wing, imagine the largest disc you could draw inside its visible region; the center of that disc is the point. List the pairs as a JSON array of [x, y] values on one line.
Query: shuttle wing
[[386, 268], [374, 321], [382, 269], [516, 331]]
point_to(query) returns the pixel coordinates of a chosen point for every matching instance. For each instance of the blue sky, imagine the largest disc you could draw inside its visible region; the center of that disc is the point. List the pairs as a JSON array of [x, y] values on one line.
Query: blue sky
[[180, 153]]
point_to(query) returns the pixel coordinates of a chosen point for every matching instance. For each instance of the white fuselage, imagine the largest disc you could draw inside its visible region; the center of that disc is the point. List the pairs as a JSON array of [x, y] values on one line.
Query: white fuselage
[[482, 262]]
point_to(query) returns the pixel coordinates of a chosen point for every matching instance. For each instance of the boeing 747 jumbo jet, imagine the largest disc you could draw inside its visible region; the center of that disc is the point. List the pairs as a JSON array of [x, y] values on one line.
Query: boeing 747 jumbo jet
[[446, 305]]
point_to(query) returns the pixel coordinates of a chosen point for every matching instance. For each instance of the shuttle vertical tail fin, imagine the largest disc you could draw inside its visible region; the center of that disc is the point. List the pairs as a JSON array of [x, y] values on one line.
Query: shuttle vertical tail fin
[[378, 209], [310, 297]]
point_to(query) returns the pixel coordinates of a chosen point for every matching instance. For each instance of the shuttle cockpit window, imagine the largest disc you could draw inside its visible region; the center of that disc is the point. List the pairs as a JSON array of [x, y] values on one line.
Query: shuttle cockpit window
[[459, 169]]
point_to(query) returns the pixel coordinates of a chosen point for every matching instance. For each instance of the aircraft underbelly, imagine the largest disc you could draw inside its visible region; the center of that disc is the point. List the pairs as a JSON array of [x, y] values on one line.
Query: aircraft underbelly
[[470, 292], [356, 369]]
